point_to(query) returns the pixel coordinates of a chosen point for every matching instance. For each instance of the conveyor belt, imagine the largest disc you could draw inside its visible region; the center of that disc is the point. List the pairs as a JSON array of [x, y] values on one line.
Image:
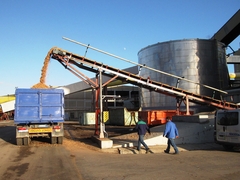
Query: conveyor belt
[[230, 30], [67, 59]]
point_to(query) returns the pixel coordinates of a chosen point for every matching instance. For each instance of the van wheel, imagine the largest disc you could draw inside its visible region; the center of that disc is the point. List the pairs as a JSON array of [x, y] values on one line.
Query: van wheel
[[60, 140], [228, 147]]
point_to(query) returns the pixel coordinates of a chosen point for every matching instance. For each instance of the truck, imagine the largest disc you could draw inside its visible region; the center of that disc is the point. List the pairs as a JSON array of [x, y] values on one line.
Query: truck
[[227, 128], [7, 107], [39, 113]]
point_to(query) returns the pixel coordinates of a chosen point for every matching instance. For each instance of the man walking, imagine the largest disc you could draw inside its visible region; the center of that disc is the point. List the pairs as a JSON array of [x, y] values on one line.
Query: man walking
[[171, 132], [142, 128]]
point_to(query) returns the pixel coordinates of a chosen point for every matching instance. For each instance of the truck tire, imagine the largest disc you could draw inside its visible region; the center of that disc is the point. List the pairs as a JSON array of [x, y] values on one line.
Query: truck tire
[[26, 141], [60, 140], [19, 141], [53, 140]]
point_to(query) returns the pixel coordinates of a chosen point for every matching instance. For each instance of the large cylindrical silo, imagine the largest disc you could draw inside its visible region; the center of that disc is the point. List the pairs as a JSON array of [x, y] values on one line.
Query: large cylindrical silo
[[198, 60]]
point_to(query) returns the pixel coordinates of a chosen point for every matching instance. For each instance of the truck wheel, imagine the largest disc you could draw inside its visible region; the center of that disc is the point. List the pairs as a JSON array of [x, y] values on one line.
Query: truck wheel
[[19, 141], [53, 140], [60, 140], [26, 141]]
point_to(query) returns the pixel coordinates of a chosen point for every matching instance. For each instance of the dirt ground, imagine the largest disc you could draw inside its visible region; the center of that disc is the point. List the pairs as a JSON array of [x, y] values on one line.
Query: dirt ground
[[78, 158], [82, 132], [77, 135]]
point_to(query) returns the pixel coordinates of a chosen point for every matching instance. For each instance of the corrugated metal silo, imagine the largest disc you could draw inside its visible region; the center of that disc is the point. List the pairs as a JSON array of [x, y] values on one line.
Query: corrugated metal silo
[[199, 60]]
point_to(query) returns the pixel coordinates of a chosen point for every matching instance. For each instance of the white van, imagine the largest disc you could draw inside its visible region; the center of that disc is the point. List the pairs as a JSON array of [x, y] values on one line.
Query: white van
[[227, 128]]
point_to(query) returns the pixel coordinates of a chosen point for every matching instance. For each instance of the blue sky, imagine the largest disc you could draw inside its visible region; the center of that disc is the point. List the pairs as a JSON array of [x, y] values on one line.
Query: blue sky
[[30, 28]]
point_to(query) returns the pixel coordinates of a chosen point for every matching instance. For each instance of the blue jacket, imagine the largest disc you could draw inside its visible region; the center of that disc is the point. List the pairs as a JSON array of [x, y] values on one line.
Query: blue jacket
[[170, 130], [142, 127]]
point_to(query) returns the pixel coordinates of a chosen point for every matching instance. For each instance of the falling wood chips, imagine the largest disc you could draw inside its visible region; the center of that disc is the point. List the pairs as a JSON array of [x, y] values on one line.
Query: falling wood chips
[[41, 84]]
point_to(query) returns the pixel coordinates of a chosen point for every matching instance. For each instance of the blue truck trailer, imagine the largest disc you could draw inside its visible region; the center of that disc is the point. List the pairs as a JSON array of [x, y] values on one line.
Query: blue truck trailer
[[39, 113]]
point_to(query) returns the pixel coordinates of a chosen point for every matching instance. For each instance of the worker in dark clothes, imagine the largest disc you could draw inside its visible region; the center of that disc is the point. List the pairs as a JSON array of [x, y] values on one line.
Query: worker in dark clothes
[[142, 128]]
